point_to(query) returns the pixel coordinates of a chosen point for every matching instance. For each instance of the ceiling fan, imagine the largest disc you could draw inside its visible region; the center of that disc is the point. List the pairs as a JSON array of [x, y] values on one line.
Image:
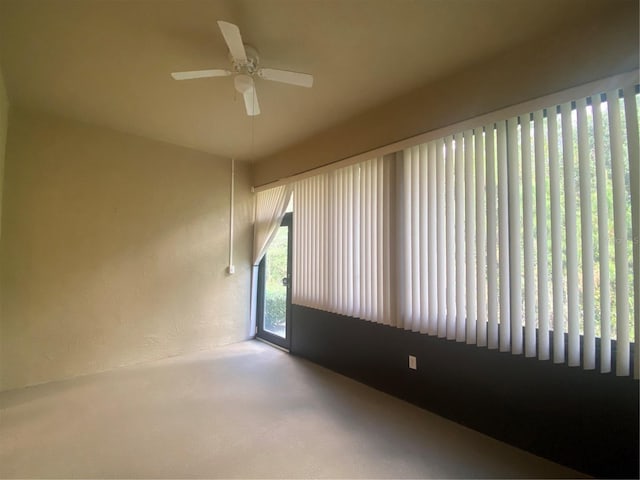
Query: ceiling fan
[[245, 67]]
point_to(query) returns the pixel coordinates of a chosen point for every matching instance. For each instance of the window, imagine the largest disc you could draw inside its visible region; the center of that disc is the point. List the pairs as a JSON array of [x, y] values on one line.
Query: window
[[515, 234]]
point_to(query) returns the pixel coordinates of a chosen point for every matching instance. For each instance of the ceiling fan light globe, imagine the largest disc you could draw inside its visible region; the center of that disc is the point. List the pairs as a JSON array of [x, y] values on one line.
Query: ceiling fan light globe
[[243, 83]]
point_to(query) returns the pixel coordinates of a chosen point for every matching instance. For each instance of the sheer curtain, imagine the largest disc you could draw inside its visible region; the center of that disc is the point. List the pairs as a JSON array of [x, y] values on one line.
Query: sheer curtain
[[270, 207]]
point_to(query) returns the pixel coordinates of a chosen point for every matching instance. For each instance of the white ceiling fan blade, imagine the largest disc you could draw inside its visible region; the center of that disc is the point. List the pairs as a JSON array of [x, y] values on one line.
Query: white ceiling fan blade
[[284, 76], [231, 34], [251, 102], [200, 74], [245, 85]]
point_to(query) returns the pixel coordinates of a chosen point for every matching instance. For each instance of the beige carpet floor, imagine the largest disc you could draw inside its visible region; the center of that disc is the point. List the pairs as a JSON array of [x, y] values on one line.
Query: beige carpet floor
[[241, 411]]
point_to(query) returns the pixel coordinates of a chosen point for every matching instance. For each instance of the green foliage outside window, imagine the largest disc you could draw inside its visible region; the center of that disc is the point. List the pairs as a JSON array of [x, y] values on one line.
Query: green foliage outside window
[[275, 302]]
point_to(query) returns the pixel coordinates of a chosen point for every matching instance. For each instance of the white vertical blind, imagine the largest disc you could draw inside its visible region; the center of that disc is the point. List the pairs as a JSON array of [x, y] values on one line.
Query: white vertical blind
[[434, 302], [441, 246], [481, 238], [588, 289], [603, 236], [459, 286], [470, 234], [379, 229], [423, 219], [556, 239], [388, 297], [515, 263], [620, 232], [415, 238], [406, 272], [400, 241], [517, 235], [450, 329], [542, 217], [342, 247], [503, 237], [631, 101], [361, 238], [492, 240], [571, 250], [528, 235]]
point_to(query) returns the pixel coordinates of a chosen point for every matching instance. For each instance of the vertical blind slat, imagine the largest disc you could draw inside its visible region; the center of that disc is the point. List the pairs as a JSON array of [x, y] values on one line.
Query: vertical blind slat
[[388, 247], [401, 273], [347, 222], [620, 232], [373, 260], [541, 236], [312, 245], [571, 252], [357, 232], [359, 182], [318, 183], [492, 240], [362, 240], [415, 239], [588, 289], [449, 276], [295, 287], [408, 299], [424, 236], [433, 246], [381, 274], [633, 136], [442, 247], [556, 238], [369, 243], [503, 241], [470, 241], [481, 239], [342, 233], [353, 225], [337, 243], [603, 236], [316, 245], [527, 240], [515, 262], [297, 252], [310, 228], [327, 240], [303, 245], [459, 286]]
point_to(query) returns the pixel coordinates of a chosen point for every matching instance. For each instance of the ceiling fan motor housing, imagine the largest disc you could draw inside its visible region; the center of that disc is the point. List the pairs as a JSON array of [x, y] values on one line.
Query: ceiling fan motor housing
[[248, 67]]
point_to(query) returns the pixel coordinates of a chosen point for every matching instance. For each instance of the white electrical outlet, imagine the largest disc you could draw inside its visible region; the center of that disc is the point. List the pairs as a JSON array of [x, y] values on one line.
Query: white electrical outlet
[[413, 364]]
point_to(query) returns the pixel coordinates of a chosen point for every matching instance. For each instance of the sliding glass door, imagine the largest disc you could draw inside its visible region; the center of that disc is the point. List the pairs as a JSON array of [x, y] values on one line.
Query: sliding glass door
[[274, 288]]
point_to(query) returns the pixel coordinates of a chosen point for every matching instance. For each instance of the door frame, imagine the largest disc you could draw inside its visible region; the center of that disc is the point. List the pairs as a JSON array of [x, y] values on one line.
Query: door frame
[[284, 343]]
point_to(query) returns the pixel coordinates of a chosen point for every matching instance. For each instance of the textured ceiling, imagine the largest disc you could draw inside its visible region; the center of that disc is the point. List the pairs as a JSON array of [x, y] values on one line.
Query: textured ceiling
[[108, 62]]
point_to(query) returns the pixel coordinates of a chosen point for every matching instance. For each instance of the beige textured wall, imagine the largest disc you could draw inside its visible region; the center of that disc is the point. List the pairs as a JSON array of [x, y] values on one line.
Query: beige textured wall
[[114, 251], [576, 55], [4, 123]]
